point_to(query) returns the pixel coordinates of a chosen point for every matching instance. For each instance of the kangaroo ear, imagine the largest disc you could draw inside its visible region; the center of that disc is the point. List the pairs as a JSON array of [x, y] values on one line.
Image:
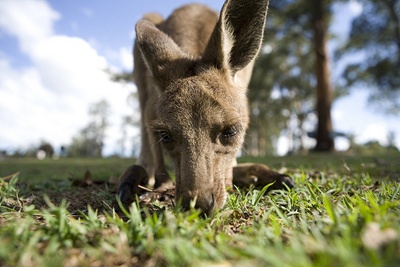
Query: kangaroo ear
[[238, 34], [160, 53]]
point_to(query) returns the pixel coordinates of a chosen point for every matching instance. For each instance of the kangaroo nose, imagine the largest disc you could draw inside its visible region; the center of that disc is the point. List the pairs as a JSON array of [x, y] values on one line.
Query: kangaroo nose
[[206, 205]]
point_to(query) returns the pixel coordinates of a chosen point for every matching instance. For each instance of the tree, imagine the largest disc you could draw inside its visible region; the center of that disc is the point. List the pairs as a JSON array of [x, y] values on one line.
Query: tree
[[375, 38], [89, 142], [47, 148], [133, 120], [320, 17], [281, 91], [288, 75], [127, 122]]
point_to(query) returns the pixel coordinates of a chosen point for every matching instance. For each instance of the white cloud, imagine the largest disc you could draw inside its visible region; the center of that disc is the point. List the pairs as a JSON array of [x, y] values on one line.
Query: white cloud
[[337, 114], [69, 65], [352, 115], [355, 8], [121, 59], [28, 21], [24, 99], [373, 132], [283, 145], [126, 58], [50, 98]]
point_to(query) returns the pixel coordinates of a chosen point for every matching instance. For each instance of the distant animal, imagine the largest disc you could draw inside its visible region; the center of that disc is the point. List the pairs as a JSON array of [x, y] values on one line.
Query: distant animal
[[192, 71]]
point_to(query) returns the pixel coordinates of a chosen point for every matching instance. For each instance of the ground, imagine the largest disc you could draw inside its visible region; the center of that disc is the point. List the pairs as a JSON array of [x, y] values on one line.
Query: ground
[[344, 210]]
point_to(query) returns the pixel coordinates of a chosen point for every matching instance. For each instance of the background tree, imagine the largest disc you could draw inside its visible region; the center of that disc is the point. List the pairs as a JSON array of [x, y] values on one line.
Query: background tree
[[290, 71], [89, 142], [320, 11], [375, 39], [130, 121], [47, 148]]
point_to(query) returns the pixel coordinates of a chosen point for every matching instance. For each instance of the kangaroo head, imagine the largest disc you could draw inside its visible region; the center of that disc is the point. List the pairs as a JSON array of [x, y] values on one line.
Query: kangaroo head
[[202, 113]]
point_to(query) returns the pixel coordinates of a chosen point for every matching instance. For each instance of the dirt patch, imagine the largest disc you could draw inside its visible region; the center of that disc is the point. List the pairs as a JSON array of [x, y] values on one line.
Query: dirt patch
[[99, 195]]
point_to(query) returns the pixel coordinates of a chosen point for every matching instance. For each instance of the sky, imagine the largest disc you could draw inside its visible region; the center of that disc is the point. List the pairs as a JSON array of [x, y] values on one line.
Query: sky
[[53, 57]]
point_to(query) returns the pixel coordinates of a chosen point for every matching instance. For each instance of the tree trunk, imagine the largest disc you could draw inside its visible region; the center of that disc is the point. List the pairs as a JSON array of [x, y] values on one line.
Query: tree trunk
[[324, 90], [391, 5]]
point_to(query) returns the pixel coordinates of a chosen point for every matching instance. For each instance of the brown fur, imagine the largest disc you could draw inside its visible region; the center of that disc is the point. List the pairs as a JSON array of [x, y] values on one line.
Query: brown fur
[[259, 175], [192, 71]]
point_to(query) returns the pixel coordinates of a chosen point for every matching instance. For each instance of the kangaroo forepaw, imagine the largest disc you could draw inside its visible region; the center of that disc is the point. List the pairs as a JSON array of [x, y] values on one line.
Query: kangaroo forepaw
[[260, 175], [282, 181], [287, 180], [128, 187]]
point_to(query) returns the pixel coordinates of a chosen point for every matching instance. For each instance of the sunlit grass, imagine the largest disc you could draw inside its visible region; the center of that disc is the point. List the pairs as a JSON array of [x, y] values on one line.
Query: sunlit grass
[[331, 218]]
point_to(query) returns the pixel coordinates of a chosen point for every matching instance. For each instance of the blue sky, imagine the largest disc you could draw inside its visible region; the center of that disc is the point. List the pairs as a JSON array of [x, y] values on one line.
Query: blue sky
[[53, 55]]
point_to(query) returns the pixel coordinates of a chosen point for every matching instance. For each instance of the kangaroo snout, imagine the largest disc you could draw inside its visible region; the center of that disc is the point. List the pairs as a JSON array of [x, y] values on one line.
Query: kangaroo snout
[[205, 202], [206, 205]]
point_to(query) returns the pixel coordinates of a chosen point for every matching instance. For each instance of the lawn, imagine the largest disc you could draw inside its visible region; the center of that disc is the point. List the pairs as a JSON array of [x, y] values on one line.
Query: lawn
[[344, 211]]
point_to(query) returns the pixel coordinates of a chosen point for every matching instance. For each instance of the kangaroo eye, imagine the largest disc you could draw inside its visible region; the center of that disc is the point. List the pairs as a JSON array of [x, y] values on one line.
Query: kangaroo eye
[[164, 136], [229, 132]]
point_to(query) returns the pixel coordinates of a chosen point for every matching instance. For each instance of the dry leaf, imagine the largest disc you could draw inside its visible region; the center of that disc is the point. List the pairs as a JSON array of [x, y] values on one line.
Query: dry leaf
[[374, 237]]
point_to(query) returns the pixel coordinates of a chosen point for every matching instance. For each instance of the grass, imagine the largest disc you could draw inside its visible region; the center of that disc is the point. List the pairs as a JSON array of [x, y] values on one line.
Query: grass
[[344, 211], [33, 171]]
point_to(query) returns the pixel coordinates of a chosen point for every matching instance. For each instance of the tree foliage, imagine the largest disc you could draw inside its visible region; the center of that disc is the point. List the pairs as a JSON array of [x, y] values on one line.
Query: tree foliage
[[375, 37]]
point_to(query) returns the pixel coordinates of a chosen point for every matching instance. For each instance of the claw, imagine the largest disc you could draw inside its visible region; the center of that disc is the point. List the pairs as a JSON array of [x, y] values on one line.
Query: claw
[[125, 194], [128, 188], [288, 181]]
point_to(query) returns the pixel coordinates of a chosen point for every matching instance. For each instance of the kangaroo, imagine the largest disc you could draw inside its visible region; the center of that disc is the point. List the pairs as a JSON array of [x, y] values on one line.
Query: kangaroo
[[192, 71]]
